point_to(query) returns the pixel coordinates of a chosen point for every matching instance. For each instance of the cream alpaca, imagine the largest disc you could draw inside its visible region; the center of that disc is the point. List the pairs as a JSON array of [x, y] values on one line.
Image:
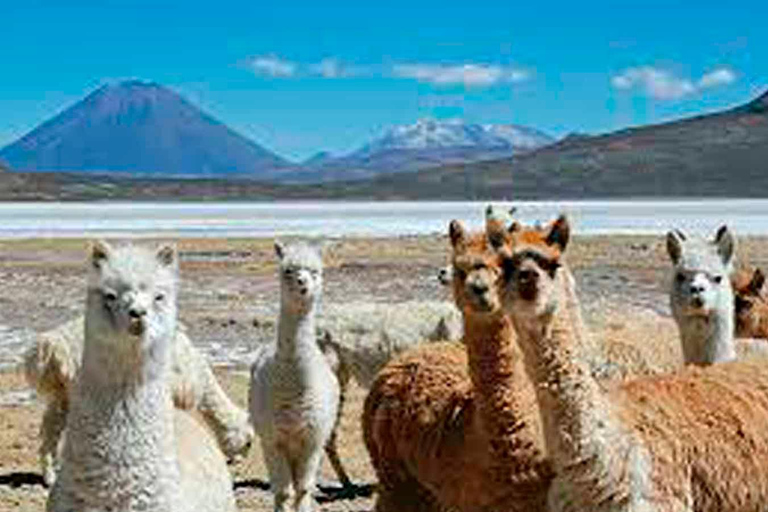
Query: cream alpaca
[[53, 365], [701, 297], [127, 447], [690, 441], [294, 394], [449, 427]]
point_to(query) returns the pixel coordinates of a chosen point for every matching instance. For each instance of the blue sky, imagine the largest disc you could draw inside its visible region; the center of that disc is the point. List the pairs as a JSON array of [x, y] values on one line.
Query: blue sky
[[299, 77]]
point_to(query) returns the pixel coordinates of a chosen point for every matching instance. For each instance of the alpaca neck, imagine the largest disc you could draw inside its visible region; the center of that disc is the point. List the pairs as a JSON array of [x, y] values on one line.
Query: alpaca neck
[[121, 430], [503, 389], [708, 339], [577, 417], [296, 332]]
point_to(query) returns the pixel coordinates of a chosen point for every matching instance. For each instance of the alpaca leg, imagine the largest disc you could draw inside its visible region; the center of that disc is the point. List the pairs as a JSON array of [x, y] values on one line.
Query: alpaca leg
[[330, 447], [54, 421], [305, 473], [228, 422], [279, 476]]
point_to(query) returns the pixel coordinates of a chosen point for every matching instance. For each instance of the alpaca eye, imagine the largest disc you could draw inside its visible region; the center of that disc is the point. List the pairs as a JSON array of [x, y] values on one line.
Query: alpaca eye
[[110, 297], [680, 277], [717, 279], [159, 297], [743, 305]]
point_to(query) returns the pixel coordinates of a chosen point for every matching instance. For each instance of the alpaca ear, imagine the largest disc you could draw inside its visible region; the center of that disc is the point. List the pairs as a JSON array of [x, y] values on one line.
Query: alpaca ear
[[100, 251], [756, 284], [457, 233], [496, 233], [559, 233], [675, 245], [280, 250], [166, 255], [726, 244]]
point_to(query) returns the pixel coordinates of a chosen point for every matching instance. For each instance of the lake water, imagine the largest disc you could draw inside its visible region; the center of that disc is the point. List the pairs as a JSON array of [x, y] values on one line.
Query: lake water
[[337, 219]]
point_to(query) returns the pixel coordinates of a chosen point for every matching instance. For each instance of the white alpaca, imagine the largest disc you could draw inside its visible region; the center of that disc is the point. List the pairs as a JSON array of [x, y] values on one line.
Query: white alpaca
[[294, 394], [53, 364], [701, 297], [127, 447]]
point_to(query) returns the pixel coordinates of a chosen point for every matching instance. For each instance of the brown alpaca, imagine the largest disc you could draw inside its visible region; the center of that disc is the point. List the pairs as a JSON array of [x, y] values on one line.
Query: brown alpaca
[[750, 304], [455, 427], [694, 440]]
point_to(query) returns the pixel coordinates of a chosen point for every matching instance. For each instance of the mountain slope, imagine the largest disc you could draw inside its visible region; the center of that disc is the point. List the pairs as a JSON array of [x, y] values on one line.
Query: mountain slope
[[137, 127], [721, 154]]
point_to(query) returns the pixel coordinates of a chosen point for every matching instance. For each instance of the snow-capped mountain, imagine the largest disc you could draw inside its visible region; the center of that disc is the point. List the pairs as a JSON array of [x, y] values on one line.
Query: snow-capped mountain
[[434, 134], [426, 143]]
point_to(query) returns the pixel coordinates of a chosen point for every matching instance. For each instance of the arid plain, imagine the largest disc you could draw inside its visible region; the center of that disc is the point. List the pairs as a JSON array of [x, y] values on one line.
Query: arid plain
[[229, 299]]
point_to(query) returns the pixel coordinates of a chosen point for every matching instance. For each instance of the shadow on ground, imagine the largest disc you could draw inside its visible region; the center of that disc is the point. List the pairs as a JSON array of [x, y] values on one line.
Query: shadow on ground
[[19, 479], [326, 493]]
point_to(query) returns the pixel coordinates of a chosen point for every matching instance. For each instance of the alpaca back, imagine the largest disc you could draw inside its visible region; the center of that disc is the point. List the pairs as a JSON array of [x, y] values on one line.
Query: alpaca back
[[704, 427]]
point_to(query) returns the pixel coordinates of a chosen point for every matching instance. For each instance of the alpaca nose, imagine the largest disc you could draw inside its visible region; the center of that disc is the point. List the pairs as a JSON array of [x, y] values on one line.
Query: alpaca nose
[[696, 289], [137, 312], [528, 276], [479, 288]]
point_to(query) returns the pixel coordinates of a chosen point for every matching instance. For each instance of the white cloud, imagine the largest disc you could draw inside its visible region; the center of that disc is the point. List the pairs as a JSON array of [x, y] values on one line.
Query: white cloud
[[469, 75], [721, 76], [332, 67], [273, 66], [328, 68], [663, 85]]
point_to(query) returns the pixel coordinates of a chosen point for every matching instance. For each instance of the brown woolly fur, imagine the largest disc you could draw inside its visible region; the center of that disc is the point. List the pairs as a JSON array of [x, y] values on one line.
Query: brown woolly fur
[[750, 304], [693, 440], [451, 426]]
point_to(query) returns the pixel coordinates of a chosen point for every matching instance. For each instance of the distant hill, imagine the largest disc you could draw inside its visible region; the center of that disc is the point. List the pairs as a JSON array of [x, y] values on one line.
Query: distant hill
[[139, 128], [723, 154], [427, 143]]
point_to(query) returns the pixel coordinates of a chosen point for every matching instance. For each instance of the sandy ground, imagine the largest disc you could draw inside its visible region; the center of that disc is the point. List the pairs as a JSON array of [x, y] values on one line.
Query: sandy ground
[[228, 302]]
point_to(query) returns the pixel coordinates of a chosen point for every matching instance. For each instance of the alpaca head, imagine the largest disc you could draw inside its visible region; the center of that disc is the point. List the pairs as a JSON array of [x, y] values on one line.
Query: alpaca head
[[749, 303], [131, 304], [530, 259], [301, 275], [445, 275], [700, 280], [475, 270]]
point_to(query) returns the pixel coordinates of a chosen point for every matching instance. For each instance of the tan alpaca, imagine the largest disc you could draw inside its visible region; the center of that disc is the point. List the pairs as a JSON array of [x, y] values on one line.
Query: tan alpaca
[[449, 427], [750, 304], [694, 440]]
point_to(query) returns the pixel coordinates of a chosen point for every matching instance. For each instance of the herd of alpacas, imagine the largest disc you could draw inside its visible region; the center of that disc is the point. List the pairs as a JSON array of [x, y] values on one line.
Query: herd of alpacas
[[505, 409]]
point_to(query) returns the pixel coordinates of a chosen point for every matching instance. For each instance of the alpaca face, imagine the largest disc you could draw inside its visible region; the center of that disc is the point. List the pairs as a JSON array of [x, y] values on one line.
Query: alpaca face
[[750, 306], [132, 295], [475, 271], [530, 260], [700, 280], [445, 275], [301, 275]]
